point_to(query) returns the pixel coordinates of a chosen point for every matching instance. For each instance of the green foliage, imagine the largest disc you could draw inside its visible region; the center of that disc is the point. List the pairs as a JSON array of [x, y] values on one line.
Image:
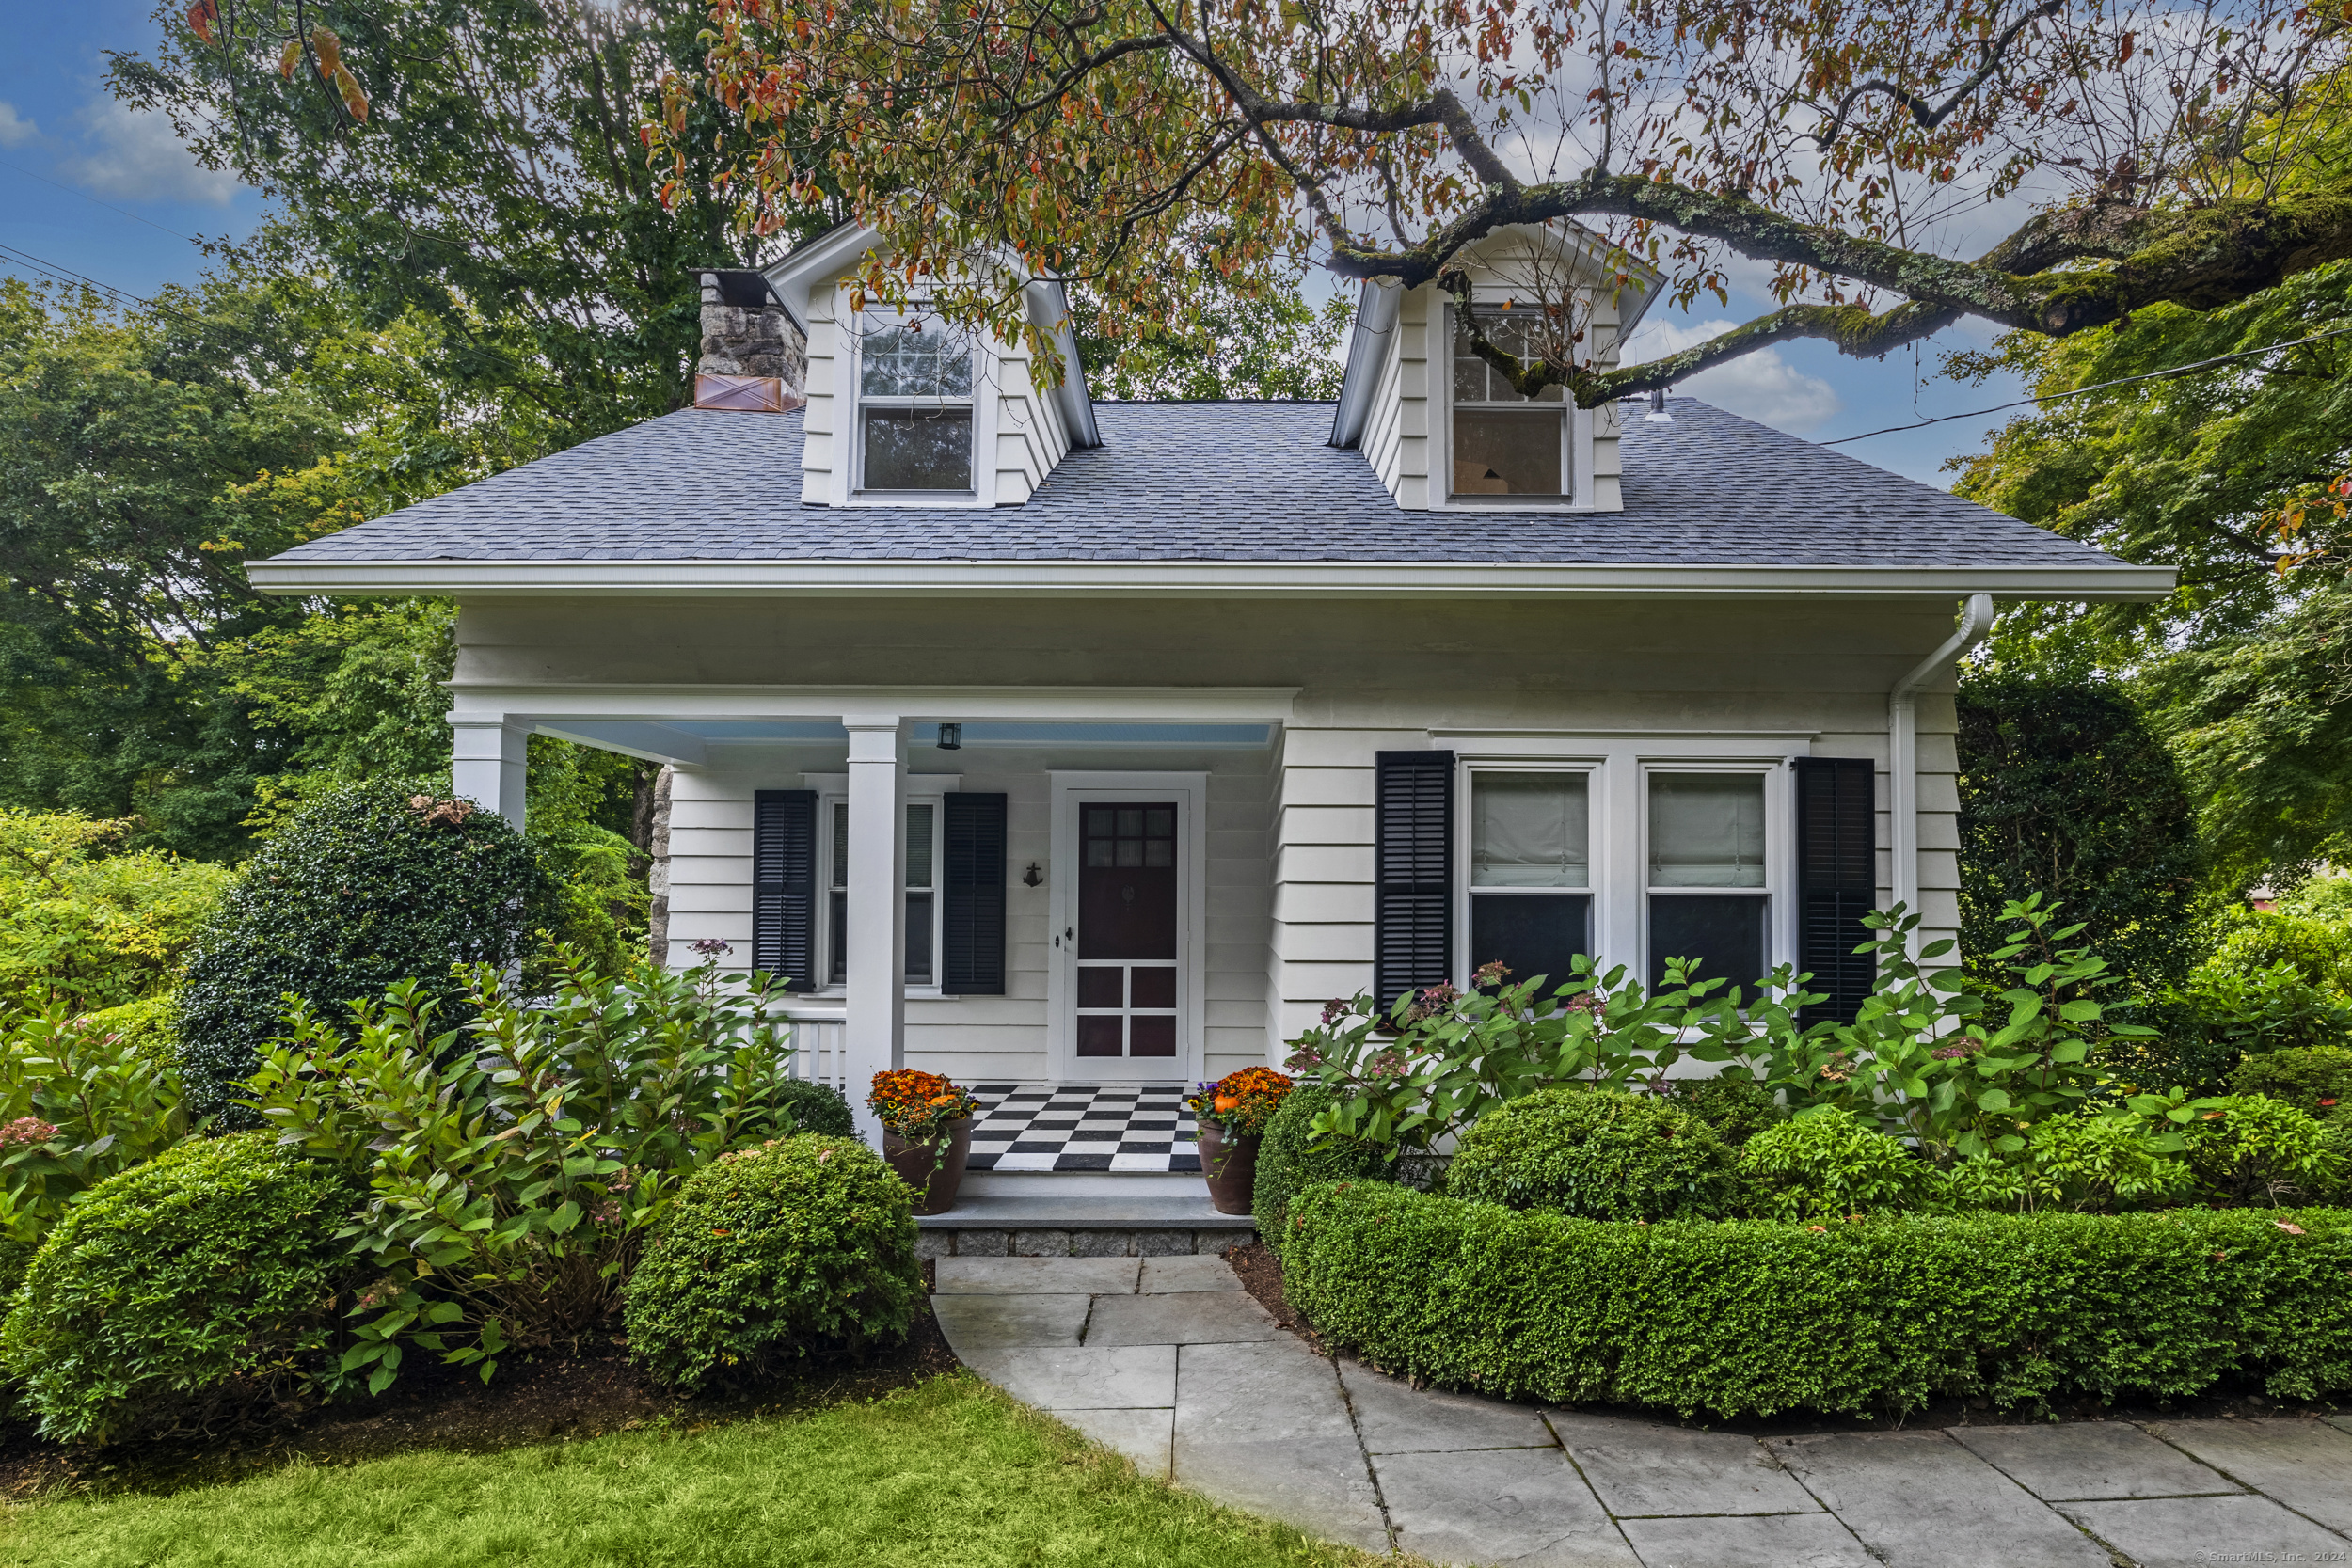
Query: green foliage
[[2251, 1150], [2317, 1081], [1291, 1157], [1737, 1108], [1878, 1316], [582, 802], [211, 1263], [817, 1108], [2248, 1013], [799, 1248], [2318, 948], [2084, 1161], [515, 1164], [360, 890], [1597, 1154], [1225, 345], [94, 928], [1830, 1162], [2065, 791], [78, 1104]]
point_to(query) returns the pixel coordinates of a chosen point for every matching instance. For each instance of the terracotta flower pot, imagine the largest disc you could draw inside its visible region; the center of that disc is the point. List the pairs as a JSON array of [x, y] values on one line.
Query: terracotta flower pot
[[920, 1167], [1231, 1168]]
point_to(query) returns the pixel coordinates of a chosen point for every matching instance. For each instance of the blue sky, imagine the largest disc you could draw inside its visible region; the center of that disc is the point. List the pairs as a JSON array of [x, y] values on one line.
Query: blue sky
[[89, 187]]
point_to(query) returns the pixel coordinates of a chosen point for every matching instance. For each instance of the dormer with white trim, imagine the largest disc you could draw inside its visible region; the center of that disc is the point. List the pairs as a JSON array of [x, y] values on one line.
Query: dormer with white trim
[[1443, 431], [904, 412]]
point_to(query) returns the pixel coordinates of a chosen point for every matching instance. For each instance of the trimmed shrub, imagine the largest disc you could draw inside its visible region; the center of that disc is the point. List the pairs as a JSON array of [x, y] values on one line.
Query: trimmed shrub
[[1829, 1162], [2317, 1081], [2079, 1160], [817, 1108], [214, 1264], [1737, 1108], [1598, 1154], [800, 1246], [2249, 1149], [361, 888], [1748, 1318], [1287, 1160]]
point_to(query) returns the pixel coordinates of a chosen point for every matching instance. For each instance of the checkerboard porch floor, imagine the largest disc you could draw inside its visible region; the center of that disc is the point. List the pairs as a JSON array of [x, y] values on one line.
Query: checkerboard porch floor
[[1122, 1127]]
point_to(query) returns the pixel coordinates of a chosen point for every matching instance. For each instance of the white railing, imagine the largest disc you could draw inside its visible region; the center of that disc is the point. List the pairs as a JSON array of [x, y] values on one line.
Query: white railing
[[816, 1046]]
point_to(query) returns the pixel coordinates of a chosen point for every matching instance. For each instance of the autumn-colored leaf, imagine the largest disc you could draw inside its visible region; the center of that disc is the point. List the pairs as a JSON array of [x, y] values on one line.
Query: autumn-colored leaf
[[290, 57], [201, 16], [354, 99], [328, 48]]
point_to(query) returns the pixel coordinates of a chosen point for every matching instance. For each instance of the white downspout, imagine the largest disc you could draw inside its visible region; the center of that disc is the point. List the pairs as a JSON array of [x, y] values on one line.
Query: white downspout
[[1902, 745]]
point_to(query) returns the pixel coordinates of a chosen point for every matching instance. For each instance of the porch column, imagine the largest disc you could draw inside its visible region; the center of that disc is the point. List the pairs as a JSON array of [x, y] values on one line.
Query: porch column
[[489, 759], [874, 1034]]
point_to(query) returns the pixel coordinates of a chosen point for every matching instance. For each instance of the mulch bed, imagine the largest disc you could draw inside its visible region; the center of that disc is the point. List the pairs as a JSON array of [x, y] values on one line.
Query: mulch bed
[[1261, 1274], [533, 1399]]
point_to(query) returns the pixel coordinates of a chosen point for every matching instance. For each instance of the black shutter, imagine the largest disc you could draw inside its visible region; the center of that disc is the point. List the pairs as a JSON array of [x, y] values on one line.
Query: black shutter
[[972, 916], [1836, 880], [784, 885], [1412, 872]]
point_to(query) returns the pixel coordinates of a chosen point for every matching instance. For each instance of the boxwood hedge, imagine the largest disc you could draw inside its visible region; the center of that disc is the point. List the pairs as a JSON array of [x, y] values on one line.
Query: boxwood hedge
[[1754, 1318]]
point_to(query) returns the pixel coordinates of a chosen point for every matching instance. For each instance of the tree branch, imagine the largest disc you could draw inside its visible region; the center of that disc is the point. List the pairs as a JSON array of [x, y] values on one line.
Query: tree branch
[[1925, 115]]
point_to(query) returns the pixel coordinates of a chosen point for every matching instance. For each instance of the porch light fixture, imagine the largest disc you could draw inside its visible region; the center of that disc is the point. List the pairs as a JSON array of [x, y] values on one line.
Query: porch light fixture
[[951, 738]]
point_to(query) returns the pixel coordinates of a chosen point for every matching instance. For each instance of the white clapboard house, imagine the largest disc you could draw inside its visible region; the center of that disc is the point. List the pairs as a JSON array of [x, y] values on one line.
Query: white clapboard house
[[1083, 750]]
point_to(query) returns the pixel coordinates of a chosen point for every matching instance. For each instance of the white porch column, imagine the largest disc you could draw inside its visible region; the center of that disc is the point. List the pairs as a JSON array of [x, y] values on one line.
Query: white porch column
[[874, 1035], [490, 755]]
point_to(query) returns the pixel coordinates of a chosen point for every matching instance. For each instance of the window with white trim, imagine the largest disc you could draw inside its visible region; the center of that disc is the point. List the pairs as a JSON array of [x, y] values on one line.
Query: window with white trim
[[1531, 883], [1707, 895], [1505, 443], [920, 891], [914, 405]]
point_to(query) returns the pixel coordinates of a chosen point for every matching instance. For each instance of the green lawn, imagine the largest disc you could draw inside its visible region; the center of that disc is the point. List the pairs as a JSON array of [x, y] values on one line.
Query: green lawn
[[948, 1474]]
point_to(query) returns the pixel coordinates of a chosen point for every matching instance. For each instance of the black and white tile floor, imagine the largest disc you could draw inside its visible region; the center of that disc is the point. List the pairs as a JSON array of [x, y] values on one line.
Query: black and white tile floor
[[1128, 1127]]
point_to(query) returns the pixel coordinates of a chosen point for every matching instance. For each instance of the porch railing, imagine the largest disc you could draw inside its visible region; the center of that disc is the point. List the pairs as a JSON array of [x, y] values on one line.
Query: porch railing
[[816, 1046]]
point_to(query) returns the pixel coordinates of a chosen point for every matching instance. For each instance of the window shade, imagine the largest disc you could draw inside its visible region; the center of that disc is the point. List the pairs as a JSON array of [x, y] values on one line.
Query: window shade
[[1836, 880], [784, 885], [972, 883], [1706, 830], [1412, 872], [1530, 830]]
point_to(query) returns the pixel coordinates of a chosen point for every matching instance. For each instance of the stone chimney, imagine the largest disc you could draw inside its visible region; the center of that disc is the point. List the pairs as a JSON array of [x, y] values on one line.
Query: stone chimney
[[755, 357]]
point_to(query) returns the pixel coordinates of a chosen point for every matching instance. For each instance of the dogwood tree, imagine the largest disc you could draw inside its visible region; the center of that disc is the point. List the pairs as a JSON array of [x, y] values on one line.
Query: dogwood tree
[[2138, 151]]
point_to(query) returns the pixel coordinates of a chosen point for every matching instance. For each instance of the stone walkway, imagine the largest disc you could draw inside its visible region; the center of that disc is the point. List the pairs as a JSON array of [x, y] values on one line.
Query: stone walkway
[[1170, 1362]]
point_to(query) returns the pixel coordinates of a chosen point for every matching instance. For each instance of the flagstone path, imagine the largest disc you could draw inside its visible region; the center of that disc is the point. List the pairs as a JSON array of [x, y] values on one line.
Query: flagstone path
[[1170, 1362]]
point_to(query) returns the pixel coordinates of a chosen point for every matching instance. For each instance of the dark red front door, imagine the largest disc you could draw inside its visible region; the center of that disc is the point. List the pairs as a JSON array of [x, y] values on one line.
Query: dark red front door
[[1127, 929]]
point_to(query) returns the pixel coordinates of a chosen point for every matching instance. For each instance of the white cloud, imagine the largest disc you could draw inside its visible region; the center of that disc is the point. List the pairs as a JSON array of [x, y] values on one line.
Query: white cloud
[[1760, 386], [14, 131], [138, 157]]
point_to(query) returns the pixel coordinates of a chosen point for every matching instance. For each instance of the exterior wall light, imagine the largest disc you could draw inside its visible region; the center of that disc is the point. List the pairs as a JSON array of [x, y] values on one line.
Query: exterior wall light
[[951, 738]]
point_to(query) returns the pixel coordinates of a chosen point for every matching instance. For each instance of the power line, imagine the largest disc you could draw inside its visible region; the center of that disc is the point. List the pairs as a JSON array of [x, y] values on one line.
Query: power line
[[2095, 386], [95, 202]]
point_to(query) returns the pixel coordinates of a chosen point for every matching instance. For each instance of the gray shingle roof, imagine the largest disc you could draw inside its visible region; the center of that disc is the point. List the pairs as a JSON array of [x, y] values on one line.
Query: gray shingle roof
[[1201, 481]]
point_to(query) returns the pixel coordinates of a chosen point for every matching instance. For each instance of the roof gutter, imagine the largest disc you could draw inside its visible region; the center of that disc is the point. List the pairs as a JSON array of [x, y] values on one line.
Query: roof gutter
[[1903, 747], [1376, 317]]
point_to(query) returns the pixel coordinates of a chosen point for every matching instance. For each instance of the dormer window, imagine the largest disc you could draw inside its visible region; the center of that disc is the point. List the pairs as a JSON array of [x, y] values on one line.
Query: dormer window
[[1505, 443], [914, 405]]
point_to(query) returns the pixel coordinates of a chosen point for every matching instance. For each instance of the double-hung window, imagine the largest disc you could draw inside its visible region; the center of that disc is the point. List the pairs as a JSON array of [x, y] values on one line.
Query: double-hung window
[[1530, 899], [920, 891], [1708, 897], [914, 424], [1504, 442]]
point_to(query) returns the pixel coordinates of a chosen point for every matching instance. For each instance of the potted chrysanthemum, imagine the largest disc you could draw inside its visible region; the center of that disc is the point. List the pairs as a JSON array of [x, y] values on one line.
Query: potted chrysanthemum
[[1229, 1118], [927, 1132]]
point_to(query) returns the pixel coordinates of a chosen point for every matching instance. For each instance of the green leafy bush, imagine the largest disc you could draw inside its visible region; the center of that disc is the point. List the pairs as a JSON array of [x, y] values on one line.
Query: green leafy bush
[[2315, 1080], [87, 921], [817, 1108], [1737, 1108], [1830, 1162], [1290, 1157], [515, 1164], [1599, 1154], [2084, 1161], [2249, 1012], [1751, 1318], [214, 1264], [78, 1104], [365, 886], [2318, 950], [2249, 1149], [797, 1247]]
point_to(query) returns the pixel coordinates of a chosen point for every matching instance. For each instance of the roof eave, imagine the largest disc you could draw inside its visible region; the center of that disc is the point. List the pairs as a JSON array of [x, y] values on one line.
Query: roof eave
[[968, 579]]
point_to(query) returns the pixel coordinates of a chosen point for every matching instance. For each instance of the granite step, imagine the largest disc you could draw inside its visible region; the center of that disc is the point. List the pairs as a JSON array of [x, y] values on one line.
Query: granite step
[[1081, 1214]]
